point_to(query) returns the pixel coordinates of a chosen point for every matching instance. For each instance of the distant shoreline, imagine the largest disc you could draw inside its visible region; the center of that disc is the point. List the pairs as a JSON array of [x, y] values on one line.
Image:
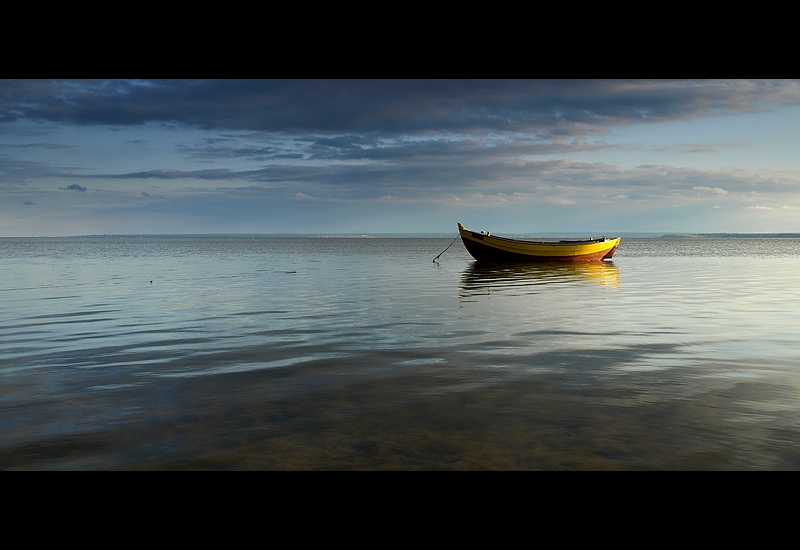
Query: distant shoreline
[[628, 235], [731, 236]]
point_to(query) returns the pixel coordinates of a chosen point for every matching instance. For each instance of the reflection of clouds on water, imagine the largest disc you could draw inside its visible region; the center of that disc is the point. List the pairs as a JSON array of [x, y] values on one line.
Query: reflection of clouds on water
[[371, 357], [480, 278]]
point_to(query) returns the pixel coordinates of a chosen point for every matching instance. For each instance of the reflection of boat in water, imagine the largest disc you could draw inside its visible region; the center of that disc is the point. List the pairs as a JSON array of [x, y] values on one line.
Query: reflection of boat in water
[[479, 277], [485, 247]]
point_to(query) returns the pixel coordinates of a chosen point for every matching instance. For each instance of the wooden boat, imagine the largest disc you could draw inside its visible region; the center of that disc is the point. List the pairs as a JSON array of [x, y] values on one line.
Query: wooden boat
[[486, 247]]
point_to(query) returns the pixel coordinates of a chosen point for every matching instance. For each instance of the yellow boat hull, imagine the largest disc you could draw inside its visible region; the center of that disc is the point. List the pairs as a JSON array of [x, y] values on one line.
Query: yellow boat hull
[[485, 247]]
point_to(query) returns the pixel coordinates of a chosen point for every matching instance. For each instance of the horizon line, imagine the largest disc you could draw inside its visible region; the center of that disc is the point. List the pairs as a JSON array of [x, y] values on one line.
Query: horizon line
[[432, 234]]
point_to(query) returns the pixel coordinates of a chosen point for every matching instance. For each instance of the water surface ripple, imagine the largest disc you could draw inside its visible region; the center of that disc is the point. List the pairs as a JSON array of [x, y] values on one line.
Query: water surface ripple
[[342, 353]]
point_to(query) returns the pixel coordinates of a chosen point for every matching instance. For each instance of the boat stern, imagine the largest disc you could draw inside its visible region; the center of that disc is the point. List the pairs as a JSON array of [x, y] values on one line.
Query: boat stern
[[613, 250]]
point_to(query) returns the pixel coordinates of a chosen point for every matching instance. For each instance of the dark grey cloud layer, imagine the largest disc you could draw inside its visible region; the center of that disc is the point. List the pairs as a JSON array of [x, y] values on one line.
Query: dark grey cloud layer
[[544, 107], [548, 180], [16, 173], [228, 155]]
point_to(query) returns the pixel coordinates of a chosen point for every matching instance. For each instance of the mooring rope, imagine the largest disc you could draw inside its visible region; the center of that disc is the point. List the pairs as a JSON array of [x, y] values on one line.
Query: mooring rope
[[445, 250]]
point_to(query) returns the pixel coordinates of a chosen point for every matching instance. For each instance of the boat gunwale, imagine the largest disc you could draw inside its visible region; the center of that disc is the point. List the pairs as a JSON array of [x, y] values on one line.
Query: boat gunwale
[[561, 242]]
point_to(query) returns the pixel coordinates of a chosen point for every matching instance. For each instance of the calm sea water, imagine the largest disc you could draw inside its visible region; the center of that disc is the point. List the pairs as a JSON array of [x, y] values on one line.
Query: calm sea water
[[342, 353]]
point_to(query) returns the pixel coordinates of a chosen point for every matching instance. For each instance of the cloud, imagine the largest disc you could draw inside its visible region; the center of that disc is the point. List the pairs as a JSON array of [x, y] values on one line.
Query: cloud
[[784, 207], [393, 145], [556, 180], [17, 173], [709, 190], [170, 174], [546, 107]]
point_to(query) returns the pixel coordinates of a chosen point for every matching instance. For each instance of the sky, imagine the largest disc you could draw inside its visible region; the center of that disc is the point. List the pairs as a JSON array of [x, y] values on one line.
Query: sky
[[91, 157]]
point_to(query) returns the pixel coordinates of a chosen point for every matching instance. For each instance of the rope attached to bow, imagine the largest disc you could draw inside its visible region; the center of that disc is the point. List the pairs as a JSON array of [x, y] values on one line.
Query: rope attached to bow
[[445, 250]]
